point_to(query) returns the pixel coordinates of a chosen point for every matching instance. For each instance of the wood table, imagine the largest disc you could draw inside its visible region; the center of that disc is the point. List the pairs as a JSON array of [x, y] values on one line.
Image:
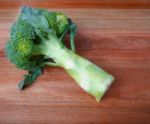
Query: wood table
[[116, 39]]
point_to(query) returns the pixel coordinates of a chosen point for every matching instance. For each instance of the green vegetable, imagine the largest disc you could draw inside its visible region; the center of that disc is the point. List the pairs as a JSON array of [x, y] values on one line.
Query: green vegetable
[[37, 40]]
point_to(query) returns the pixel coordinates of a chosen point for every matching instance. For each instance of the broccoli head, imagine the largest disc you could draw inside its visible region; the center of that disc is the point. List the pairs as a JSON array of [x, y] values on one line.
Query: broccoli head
[[20, 48]]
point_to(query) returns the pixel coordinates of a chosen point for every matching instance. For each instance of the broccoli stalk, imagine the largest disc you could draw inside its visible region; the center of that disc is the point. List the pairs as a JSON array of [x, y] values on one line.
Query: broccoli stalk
[[90, 77], [37, 37]]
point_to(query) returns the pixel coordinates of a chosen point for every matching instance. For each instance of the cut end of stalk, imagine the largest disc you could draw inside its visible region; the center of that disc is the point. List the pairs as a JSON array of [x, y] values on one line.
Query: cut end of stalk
[[104, 87]]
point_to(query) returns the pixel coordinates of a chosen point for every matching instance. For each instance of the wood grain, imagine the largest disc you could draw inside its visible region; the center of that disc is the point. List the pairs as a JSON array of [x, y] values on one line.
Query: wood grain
[[117, 40], [77, 3]]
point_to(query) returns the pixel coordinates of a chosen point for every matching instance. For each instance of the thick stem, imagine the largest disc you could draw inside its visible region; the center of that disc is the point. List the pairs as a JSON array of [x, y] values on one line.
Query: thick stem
[[90, 77]]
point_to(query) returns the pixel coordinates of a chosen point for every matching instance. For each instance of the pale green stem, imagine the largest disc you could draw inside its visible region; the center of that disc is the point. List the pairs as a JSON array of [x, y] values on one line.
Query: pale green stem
[[51, 64], [89, 77]]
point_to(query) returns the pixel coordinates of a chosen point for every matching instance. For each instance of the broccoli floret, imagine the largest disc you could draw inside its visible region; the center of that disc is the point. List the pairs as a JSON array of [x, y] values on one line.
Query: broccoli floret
[[20, 46], [36, 41], [57, 21], [24, 38]]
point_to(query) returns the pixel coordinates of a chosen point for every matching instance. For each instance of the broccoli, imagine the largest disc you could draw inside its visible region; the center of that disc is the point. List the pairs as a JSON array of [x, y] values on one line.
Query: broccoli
[[37, 40]]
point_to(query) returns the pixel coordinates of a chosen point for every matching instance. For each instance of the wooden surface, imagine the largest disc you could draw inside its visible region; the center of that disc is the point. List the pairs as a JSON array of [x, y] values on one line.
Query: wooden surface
[[117, 40], [77, 3]]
